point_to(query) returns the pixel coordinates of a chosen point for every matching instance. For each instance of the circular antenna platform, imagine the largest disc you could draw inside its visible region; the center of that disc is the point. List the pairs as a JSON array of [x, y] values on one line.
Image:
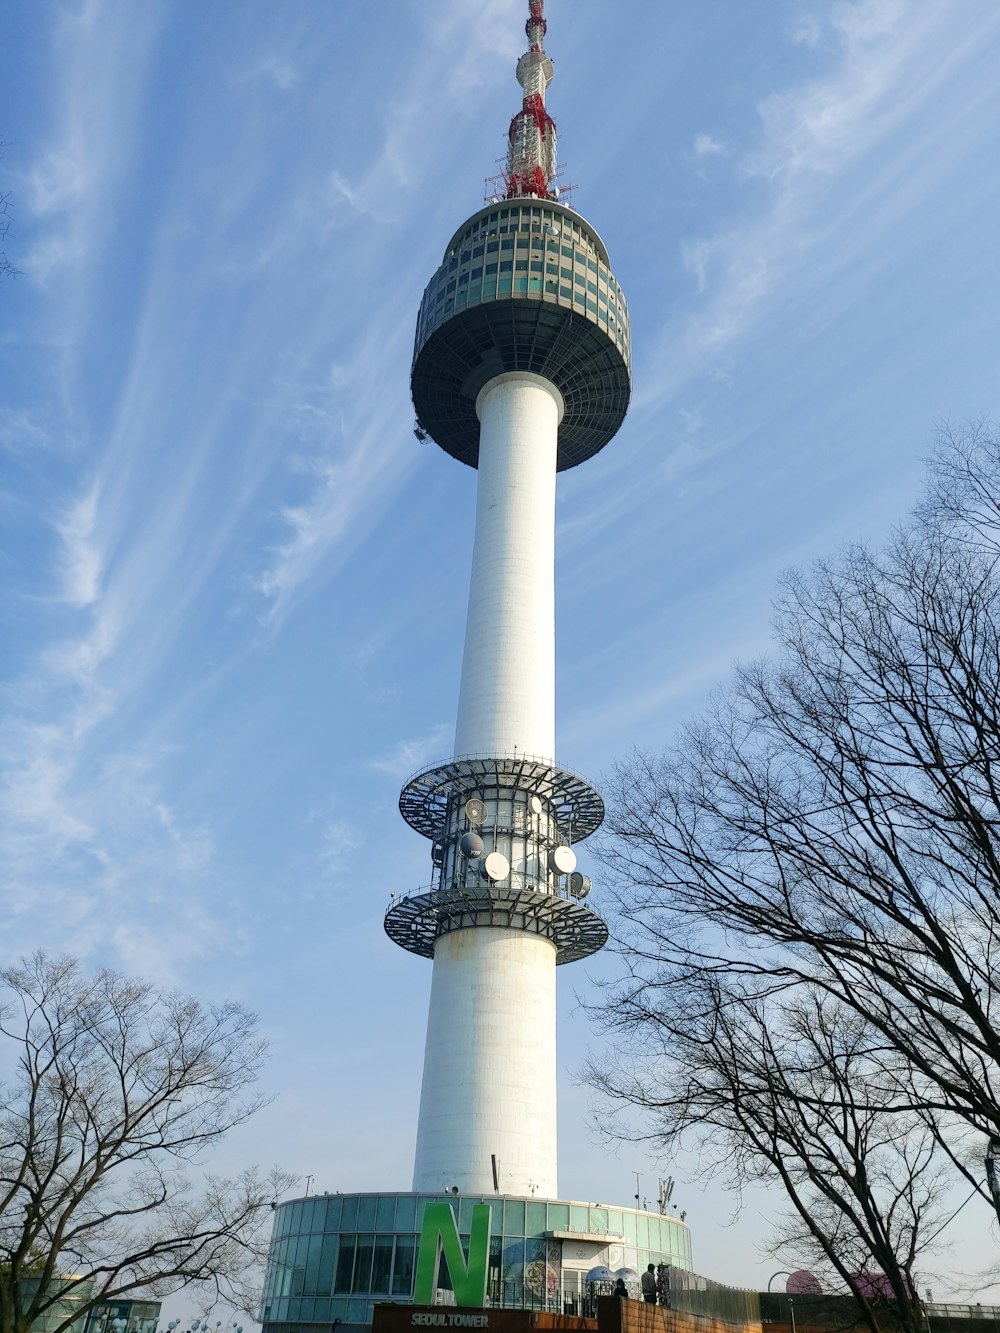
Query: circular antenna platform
[[573, 804], [417, 922]]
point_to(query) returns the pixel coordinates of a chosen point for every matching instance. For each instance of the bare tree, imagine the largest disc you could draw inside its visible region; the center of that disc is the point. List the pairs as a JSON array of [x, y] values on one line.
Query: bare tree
[[114, 1093], [788, 1089], [7, 269], [833, 820], [824, 842]]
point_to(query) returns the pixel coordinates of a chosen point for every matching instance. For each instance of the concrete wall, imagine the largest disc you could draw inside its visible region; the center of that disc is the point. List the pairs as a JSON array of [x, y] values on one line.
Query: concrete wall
[[616, 1316]]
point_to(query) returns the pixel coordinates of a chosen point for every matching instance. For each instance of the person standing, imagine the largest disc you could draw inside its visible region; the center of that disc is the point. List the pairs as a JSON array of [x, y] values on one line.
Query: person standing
[[649, 1285]]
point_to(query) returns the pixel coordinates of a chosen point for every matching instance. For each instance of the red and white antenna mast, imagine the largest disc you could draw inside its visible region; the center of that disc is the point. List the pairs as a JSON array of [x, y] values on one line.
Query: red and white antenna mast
[[531, 151]]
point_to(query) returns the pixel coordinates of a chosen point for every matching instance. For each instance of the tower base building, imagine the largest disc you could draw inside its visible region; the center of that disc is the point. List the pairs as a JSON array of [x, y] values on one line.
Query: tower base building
[[335, 1257], [521, 369]]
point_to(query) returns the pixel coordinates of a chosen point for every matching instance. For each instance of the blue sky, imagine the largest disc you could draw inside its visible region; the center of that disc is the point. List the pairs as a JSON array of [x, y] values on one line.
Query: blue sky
[[235, 583]]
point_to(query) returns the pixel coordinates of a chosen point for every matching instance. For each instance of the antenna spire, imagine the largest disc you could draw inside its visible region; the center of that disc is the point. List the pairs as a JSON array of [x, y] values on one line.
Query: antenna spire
[[531, 150]]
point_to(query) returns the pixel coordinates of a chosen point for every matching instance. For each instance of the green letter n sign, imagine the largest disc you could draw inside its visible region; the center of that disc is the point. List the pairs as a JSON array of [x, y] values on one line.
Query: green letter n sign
[[440, 1233]]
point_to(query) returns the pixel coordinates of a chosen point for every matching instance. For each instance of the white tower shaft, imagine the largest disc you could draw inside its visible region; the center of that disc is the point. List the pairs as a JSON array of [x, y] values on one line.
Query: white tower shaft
[[507, 698], [489, 1082], [489, 1086]]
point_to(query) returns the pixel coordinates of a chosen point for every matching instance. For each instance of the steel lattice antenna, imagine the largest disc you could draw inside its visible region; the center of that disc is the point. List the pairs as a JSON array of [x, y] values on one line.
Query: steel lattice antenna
[[531, 150]]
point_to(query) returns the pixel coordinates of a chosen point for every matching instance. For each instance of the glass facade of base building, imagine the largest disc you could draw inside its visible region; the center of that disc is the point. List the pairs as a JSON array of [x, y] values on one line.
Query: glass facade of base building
[[333, 1257]]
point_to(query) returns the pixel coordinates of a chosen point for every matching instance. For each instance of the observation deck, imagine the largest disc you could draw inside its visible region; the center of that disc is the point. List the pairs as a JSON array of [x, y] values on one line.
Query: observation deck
[[525, 284]]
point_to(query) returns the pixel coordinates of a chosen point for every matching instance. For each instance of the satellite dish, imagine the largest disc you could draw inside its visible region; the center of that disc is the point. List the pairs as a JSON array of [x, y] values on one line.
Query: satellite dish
[[475, 811], [472, 846], [535, 805], [562, 860], [496, 867], [803, 1283], [579, 885]]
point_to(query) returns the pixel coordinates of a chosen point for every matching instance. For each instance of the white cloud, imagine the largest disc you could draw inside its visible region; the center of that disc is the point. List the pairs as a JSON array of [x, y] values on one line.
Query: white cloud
[[281, 70], [72, 185], [480, 48], [21, 431], [338, 840], [83, 562], [887, 65], [706, 146], [807, 30], [90, 847], [359, 455], [410, 755]]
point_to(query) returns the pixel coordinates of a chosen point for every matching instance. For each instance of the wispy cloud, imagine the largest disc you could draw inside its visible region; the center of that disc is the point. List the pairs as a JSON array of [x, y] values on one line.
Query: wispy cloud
[[280, 69], [410, 755], [706, 146], [886, 65], [22, 431], [480, 44], [82, 563], [361, 460], [87, 840], [338, 840], [71, 186]]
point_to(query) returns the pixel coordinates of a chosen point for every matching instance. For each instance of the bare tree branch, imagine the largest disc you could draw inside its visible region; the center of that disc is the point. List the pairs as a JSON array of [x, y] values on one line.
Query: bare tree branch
[[119, 1093], [826, 836]]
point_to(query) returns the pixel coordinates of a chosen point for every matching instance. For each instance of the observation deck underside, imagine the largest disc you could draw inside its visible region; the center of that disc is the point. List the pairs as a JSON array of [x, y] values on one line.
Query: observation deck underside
[[475, 345]]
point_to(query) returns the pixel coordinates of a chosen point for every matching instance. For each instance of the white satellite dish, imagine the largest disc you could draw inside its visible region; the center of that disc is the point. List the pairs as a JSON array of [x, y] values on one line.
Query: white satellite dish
[[535, 805], [475, 811], [496, 867], [562, 860]]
